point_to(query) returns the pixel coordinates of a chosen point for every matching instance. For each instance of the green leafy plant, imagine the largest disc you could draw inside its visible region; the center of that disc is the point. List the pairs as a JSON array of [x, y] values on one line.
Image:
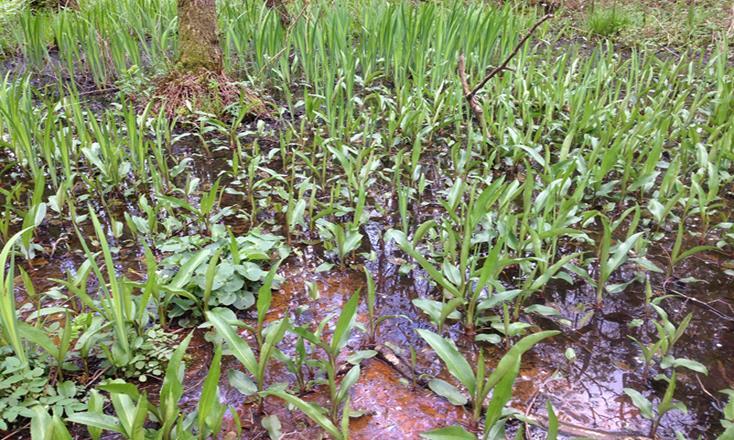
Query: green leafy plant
[[132, 408], [8, 312], [338, 393], [608, 22], [32, 218], [475, 381], [231, 278], [343, 240], [374, 321], [206, 207], [150, 354], [611, 258], [667, 336], [116, 301], [677, 253], [238, 347], [47, 427], [58, 350], [24, 386], [267, 338], [665, 405]]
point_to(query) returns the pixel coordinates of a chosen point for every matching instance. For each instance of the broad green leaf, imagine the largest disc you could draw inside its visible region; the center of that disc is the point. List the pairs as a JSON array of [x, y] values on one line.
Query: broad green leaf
[[265, 294], [349, 380], [694, 250], [666, 403], [141, 414], [175, 370], [508, 361], [449, 433], [641, 402], [241, 382], [358, 356], [274, 336], [95, 405], [455, 362], [344, 323], [448, 391], [271, 424], [38, 337], [669, 361], [101, 421], [188, 269], [552, 422], [502, 392], [238, 346], [542, 310], [40, 424], [551, 272], [211, 272], [312, 411], [490, 338], [209, 400], [434, 309], [620, 253]]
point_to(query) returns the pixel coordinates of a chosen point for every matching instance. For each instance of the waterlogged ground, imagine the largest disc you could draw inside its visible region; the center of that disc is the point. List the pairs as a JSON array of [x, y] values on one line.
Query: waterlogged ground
[[392, 398]]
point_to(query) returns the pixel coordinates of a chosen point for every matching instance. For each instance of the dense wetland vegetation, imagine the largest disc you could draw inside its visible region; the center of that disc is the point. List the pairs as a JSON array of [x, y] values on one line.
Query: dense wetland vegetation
[[362, 218]]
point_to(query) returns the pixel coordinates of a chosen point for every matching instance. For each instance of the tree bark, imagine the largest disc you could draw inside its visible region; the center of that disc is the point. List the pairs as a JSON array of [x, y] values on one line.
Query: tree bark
[[198, 38], [281, 10], [37, 5]]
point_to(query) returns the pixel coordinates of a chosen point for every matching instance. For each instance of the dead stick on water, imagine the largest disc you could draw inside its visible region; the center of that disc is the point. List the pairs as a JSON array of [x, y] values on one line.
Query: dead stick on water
[[704, 304], [469, 93]]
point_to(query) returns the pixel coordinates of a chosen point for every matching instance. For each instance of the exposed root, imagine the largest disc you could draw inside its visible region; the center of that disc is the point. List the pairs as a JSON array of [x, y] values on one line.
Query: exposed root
[[181, 93]]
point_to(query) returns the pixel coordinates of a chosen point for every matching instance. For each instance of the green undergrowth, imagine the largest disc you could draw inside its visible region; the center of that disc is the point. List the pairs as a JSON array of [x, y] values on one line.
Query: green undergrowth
[[590, 166]]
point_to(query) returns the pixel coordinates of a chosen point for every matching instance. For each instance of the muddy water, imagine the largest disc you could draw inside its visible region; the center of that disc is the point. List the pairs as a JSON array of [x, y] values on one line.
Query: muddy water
[[587, 394], [389, 405]]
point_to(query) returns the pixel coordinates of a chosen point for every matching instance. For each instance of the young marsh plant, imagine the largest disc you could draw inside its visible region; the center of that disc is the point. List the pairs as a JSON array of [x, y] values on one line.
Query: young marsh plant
[[476, 381], [338, 392]]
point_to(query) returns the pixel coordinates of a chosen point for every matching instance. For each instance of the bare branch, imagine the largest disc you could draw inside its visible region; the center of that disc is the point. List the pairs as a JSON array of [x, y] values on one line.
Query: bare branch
[[473, 104], [470, 95]]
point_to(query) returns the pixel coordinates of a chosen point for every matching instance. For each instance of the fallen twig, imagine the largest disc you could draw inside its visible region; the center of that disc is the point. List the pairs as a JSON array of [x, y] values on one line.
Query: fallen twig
[[703, 304], [572, 430], [99, 91], [16, 433], [470, 98], [469, 93]]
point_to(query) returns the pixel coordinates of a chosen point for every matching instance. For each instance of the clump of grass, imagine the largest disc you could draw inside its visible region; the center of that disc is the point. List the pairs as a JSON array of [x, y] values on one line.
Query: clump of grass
[[608, 22], [9, 11]]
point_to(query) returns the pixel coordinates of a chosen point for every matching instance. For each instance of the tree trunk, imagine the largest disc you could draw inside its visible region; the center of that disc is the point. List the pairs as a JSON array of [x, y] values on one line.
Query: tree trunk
[[197, 33], [281, 10], [37, 5]]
